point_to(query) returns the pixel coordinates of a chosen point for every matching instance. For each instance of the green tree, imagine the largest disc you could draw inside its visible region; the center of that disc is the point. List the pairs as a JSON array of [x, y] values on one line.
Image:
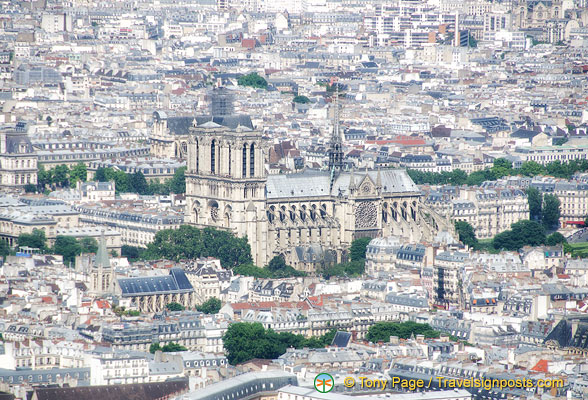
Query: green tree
[[466, 233], [210, 306], [138, 183], [555, 238], [358, 248], [348, 269], [522, 233], [188, 242], [61, 175], [532, 168], [78, 173], [30, 188], [252, 80], [535, 200], [558, 169], [36, 239], [88, 245], [381, 331], [130, 252], [244, 341], [301, 99], [156, 187], [121, 180], [173, 347], [279, 269], [100, 175], [476, 178], [44, 177], [252, 270], [178, 182], [551, 211], [175, 306], [458, 177], [68, 247], [502, 167], [4, 248], [154, 347]]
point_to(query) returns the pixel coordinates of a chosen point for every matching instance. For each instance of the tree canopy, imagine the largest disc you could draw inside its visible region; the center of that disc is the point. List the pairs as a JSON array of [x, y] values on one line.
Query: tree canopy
[[252, 80], [245, 341], [522, 233], [137, 183], [168, 348], [4, 248], [68, 247], [381, 331], [358, 248], [78, 173], [551, 211], [88, 245], [555, 238], [466, 234], [188, 242], [500, 168], [210, 306], [173, 306], [36, 239], [301, 99], [535, 200]]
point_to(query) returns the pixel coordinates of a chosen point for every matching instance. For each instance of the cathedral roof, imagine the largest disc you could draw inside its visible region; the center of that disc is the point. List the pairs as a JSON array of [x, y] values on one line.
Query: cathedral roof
[[229, 121], [313, 183]]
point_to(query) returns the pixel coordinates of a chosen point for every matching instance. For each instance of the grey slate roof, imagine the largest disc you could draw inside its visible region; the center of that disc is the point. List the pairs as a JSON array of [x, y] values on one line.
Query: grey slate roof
[[175, 282], [229, 121], [313, 183]]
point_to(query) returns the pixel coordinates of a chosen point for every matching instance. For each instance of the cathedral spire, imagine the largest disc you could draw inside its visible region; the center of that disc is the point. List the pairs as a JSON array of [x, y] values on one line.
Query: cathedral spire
[[336, 143]]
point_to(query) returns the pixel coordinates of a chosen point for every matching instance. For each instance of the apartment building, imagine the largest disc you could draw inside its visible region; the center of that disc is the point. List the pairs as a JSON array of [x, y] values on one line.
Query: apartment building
[[489, 211]]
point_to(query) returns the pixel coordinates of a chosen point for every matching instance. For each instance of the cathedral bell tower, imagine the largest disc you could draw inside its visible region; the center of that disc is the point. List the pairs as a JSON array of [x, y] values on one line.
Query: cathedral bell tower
[[226, 182]]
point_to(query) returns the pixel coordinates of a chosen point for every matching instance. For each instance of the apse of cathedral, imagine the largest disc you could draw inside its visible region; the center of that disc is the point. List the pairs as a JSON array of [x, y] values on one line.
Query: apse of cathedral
[[309, 217]]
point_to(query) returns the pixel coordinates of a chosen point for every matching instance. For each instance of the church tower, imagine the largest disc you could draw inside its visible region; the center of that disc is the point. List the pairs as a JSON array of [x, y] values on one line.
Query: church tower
[[101, 274], [226, 182]]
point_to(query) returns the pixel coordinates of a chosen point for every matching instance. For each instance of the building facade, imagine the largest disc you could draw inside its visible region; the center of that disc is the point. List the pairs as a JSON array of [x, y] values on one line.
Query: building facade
[[18, 160], [228, 187]]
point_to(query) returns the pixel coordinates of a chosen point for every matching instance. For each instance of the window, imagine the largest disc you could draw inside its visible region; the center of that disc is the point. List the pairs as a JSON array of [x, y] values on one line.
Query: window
[[252, 160], [212, 156], [229, 160], [244, 160]]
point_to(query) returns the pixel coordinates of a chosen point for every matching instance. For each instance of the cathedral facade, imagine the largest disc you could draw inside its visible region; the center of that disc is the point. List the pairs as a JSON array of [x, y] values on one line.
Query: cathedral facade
[[308, 217]]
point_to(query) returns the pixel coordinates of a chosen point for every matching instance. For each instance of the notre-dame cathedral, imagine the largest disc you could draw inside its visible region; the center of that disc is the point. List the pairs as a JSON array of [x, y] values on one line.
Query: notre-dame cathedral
[[308, 217]]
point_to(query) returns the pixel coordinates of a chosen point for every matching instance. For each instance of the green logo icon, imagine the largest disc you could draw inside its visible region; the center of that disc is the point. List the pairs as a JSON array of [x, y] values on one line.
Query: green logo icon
[[324, 383]]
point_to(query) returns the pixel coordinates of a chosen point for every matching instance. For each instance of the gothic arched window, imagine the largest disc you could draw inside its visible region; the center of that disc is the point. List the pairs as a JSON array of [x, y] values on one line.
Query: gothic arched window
[[197, 157], [212, 156], [252, 160], [245, 160]]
